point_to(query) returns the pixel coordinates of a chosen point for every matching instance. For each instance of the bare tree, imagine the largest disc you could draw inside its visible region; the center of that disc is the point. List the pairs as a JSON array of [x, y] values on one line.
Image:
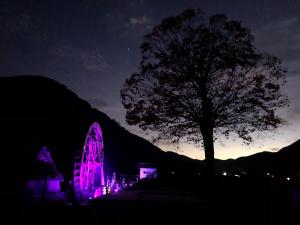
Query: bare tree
[[200, 79]]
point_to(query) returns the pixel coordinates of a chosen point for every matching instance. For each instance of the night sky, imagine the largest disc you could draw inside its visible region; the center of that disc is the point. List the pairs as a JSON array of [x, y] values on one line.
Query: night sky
[[92, 46]]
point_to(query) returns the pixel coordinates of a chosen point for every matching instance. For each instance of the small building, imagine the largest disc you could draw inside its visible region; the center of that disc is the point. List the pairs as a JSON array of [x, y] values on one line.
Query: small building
[[147, 171], [46, 182]]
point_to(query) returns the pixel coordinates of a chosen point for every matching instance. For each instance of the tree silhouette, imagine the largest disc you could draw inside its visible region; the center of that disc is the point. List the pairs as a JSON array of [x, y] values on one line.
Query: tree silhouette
[[200, 79]]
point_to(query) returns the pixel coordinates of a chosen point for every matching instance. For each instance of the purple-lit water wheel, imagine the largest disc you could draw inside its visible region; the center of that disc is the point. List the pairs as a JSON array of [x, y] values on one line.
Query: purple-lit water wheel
[[89, 171]]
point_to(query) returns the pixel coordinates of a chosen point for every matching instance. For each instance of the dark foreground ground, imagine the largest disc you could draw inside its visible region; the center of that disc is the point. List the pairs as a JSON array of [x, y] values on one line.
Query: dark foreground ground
[[230, 202]]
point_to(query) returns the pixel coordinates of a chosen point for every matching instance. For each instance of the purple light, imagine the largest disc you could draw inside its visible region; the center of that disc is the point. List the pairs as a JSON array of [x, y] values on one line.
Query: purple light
[[53, 185], [39, 187], [90, 179], [45, 156], [148, 173], [99, 192]]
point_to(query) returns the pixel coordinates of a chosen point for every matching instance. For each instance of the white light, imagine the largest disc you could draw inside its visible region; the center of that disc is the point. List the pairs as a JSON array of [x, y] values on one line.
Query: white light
[[268, 174], [236, 175], [288, 178], [224, 173]]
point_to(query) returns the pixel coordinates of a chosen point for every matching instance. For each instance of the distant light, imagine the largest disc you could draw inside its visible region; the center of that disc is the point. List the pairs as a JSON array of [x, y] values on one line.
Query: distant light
[[116, 190], [224, 173], [288, 178], [243, 172], [100, 192], [173, 172], [268, 174], [236, 175]]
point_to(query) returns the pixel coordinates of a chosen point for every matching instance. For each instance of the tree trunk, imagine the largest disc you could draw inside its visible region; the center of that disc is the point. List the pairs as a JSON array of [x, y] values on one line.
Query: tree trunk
[[207, 130], [209, 153]]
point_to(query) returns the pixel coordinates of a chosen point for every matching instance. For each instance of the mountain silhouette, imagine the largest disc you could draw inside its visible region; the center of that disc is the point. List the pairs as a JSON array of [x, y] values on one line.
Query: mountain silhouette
[[37, 111], [283, 162]]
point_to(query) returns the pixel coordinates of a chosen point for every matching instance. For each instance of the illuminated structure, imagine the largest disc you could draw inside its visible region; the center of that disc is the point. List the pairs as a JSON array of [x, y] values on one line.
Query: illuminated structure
[[89, 171], [88, 175], [47, 183], [147, 171]]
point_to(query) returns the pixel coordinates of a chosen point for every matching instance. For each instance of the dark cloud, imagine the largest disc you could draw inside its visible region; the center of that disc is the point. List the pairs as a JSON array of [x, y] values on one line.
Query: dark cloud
[[294, 70], [139, 20], [97, 103], [282, 38], [88, 59]]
